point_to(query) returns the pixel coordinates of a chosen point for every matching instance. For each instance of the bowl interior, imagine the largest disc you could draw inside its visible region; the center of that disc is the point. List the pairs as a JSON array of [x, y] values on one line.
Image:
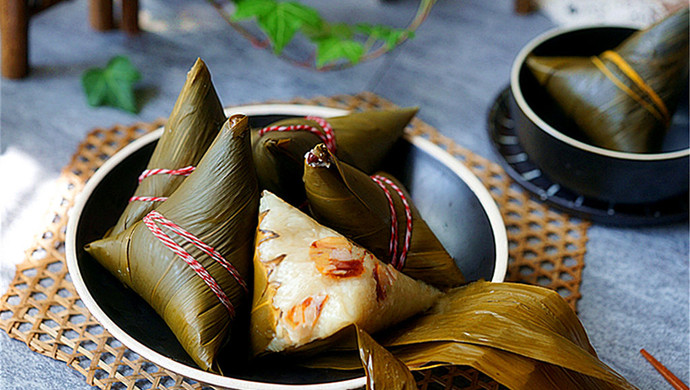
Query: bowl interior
[[587, 42], [450, 207]]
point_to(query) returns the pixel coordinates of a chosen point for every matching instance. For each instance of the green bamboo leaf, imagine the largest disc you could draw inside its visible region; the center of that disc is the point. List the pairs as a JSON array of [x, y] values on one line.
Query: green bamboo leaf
[[113, 85], [333, 48]]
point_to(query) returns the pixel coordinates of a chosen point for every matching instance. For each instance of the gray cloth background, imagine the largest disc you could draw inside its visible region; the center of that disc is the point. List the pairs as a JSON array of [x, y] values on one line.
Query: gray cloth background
[[635, 284]]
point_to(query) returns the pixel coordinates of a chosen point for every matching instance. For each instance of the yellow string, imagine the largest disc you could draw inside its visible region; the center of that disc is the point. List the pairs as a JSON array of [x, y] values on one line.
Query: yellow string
[[649, 107], [637, 79]]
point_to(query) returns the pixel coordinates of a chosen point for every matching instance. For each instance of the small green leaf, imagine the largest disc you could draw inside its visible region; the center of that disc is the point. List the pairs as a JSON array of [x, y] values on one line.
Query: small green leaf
[[342, 30], [284, 20], [112, 85], [391, 36], [245, 9], [305, 15], [332, 49]]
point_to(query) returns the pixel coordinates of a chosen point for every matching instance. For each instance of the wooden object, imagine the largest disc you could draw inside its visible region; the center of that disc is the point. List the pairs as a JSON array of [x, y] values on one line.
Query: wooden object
[[42, 309], [668, 375], [14, 27], [525, 6], [101, 14]]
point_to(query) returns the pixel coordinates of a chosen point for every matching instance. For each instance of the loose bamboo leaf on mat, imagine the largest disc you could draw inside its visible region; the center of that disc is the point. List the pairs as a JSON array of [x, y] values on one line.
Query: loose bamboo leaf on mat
[[383, 370], [524, 337], [113, 85]]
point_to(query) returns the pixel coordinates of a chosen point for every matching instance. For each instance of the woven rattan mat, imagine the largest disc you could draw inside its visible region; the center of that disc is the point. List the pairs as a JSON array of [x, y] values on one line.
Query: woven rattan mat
[[42, 309]]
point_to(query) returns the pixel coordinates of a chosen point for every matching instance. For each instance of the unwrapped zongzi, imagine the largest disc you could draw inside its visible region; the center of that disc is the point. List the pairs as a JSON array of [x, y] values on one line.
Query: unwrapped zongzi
[[310, 282]]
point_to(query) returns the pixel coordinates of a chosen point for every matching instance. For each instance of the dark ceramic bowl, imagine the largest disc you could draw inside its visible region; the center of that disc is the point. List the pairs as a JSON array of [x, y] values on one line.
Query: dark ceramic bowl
[[598, 173], [452, 200]]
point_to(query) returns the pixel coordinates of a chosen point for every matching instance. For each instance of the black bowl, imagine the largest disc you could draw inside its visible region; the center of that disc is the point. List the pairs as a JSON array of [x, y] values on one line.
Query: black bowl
[[452, 200], [565, 158]]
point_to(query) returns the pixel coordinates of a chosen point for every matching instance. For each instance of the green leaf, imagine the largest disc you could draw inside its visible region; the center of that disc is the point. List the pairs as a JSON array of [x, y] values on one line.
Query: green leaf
[[113, 85], [246, 9], [333, 48], [305, 15], [285, 19], [391, 36]]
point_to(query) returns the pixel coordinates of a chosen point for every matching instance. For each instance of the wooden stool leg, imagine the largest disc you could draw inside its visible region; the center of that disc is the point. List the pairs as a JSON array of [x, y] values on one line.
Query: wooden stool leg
[[101, 14], [130, 16], [14, 26], [525, 6]]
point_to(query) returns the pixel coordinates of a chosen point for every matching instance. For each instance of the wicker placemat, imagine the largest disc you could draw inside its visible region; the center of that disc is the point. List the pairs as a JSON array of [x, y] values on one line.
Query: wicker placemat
[[42, 309]]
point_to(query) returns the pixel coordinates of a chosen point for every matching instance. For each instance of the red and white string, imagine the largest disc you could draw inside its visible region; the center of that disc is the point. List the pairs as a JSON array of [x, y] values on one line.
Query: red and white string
[[186, 171], [154, 217], [326, 133], [397, 261]]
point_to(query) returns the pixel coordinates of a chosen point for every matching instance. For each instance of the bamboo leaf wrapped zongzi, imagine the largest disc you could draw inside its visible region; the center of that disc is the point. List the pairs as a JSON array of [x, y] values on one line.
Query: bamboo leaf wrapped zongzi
[[190, 258], [362, 139], [377, 213], [192, 126], [623, 99]]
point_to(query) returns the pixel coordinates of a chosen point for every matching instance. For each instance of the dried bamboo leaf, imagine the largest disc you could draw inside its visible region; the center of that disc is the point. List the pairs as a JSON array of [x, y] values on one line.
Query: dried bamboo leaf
[[192, 126], [349, 201], [383, 370], [218, 204], [526, 320], [524, 337]]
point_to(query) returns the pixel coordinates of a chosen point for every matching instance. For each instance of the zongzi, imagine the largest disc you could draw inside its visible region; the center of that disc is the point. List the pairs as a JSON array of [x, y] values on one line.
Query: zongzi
[[190, 258], [362, 139], [192, 126], [377, 213], [310, 282], [623, 99]]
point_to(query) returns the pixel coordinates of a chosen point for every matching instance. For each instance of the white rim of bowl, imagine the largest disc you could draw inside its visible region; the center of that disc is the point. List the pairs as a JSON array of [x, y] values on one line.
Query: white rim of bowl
[[487, 202], [522, 103]]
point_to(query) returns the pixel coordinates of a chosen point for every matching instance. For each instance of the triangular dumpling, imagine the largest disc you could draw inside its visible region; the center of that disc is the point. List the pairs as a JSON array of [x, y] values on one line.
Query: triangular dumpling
[[362, 139], [211, 217], [192, 126], [311, 282], [622, 99]]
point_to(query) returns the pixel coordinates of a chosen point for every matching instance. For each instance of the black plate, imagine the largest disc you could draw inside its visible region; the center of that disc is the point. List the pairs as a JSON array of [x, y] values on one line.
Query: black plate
[[518, 165], [449, 205]]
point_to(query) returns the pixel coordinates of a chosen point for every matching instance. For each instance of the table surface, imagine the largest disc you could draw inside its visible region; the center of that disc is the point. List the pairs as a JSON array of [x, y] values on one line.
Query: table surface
[[635, 282]]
